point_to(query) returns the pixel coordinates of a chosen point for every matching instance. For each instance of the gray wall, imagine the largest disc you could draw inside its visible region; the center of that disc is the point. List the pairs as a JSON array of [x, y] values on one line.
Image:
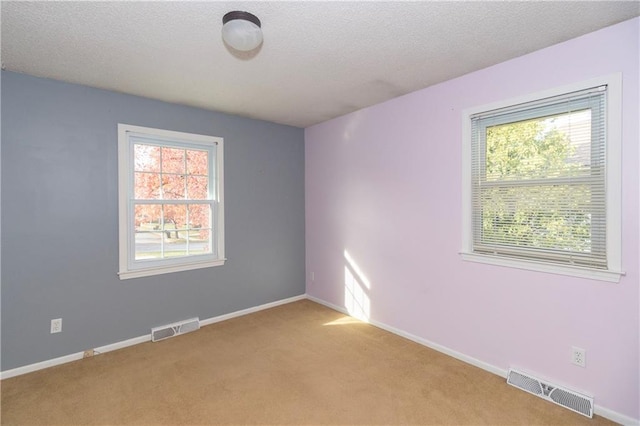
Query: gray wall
[[60, 227]]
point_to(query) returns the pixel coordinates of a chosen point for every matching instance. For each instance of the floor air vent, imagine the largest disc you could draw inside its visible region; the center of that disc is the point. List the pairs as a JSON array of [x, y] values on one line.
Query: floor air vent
[[574, 401], [170, 330]]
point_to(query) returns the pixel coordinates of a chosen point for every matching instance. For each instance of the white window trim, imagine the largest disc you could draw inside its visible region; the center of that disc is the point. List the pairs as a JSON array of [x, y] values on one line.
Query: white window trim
[[124, 165], [613, 182]]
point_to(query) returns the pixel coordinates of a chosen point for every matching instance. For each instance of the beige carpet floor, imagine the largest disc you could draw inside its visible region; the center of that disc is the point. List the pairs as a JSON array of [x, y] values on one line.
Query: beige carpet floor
[[299, 363]]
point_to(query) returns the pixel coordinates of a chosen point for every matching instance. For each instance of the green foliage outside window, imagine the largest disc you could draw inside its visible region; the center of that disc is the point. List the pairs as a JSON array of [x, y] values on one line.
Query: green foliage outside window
[[530, 197]]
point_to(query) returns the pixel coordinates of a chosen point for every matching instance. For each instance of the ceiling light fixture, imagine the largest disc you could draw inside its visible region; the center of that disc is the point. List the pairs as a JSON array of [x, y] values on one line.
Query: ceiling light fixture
[[241, 30]]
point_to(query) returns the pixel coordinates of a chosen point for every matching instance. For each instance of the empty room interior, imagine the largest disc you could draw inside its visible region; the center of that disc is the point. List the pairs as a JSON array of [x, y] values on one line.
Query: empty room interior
[[320, 212]]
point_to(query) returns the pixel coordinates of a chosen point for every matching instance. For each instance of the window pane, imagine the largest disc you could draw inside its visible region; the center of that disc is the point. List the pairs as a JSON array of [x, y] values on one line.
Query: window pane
[[545, 147], [148, 236], [147, 217], [197, 162], [577, 126], [556, 217], [200, 241], [175, 219], [197, 188], [199, 216], [173, 160], [148, 245], [175, 233], [146, 186], [173, 187], [146, 158]]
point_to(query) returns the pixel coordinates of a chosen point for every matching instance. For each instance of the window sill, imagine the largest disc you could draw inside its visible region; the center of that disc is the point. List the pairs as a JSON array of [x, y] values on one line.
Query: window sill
[[147, 272], [574, 271]]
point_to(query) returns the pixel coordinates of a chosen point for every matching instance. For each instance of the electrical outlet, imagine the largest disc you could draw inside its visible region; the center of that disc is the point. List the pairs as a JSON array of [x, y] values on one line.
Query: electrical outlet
[[56, 325], [313, 276], [88, 353], [579, 356]]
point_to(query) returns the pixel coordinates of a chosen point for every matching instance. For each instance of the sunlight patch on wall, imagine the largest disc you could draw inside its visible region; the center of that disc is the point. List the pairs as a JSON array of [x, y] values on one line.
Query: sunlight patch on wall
[[356, 289]]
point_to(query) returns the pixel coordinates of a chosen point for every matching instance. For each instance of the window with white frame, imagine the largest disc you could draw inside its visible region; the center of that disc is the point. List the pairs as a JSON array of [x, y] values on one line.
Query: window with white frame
[[542, 181], [171, 210]]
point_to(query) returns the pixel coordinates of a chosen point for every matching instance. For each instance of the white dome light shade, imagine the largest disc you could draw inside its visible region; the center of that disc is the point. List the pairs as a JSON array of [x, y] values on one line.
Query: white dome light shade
[[241, 30]]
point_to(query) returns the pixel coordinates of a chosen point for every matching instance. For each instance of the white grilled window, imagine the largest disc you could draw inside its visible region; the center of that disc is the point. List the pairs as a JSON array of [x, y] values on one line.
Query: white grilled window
[[170, 201]]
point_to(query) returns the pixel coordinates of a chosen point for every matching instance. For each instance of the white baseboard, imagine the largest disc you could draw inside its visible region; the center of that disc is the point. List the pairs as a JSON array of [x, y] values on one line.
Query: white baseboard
[[40, 365], [251, 310], [455, 354], [615, 416], [598, 410], [136, 340], [123, 344]]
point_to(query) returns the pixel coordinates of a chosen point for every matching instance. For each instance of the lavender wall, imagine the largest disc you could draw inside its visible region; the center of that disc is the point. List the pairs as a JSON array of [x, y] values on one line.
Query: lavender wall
[[384, 185]]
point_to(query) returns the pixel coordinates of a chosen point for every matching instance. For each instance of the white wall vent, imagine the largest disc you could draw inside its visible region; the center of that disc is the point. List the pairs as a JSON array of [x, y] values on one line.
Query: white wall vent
[[170, 330], [572, 400]]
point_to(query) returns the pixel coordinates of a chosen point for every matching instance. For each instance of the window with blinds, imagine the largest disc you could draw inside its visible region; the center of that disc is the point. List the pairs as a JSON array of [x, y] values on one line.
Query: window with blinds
[[538, 180], [542, 181]]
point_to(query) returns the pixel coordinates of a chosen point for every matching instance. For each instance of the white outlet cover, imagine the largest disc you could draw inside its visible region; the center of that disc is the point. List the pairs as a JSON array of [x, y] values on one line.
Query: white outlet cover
[[578, 356], [56, 325]]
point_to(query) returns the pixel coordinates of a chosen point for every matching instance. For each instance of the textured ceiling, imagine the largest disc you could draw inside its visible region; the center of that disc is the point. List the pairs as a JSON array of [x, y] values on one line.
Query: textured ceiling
[[319, 60]]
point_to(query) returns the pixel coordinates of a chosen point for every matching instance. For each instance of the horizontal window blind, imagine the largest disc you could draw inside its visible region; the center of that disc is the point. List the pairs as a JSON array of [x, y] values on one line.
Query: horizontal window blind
[[538, 180]]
